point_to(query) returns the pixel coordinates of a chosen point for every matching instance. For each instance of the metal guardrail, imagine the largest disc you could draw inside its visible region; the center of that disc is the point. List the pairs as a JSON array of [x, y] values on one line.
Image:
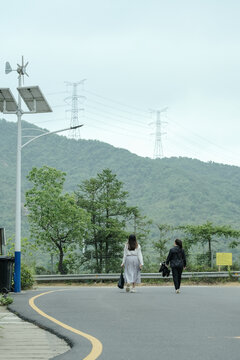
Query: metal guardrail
[[82, 277]]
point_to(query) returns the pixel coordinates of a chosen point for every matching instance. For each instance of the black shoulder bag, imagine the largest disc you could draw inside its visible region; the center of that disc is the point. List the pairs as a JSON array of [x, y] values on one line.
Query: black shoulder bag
[[121, 281]]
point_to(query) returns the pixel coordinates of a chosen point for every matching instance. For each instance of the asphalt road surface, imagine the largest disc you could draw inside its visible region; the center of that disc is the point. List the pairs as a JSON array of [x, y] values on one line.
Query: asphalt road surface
[[154, 323]]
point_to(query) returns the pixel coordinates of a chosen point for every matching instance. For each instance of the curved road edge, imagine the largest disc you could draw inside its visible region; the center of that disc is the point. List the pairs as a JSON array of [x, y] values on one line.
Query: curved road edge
[[22, 308]]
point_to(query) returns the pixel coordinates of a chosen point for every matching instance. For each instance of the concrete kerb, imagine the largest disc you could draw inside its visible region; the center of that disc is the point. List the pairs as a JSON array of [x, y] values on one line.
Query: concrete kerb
[[23, 311], [38, 323], [20, 339]]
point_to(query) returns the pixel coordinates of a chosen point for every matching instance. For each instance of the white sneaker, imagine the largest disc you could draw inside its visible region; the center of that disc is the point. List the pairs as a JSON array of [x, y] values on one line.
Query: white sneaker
[[128, 288], [133, 290], [178, 291]]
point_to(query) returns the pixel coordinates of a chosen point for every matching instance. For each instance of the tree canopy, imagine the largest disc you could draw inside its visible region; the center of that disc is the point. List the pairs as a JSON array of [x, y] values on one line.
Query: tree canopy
[[57, 224], [206, 234], [104, 198]]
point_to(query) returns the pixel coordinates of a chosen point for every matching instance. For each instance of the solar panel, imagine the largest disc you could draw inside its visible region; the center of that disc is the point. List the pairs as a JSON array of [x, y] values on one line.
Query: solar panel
[[34, 99], [7, 101]]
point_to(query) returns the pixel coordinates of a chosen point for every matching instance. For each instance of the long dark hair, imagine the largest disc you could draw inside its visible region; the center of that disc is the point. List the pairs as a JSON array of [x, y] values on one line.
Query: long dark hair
[[178, 243], [132, 242]]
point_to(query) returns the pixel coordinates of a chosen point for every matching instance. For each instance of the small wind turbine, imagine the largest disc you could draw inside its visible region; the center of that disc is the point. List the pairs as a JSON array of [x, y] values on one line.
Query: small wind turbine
[[21, 69]]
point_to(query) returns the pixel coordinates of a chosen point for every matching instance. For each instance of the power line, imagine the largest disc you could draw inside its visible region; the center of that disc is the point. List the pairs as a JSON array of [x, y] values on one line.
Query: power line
[[115, 108], [117, 102], [199, 141], [116, 118], [56, 93], [126, 130]]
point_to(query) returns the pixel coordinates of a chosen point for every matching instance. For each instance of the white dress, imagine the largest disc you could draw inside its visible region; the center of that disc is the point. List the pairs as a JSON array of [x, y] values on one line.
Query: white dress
[[132, 259]]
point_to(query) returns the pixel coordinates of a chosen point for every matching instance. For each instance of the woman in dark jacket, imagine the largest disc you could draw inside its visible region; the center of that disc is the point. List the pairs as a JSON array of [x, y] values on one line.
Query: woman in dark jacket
[[177, 260]]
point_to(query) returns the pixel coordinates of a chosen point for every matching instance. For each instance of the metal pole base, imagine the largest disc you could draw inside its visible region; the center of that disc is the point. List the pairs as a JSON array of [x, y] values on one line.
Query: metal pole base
[[17, 272]]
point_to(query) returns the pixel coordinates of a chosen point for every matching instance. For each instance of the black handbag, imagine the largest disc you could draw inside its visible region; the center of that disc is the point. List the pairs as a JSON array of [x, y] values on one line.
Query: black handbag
[[164, 270], [121, 281]]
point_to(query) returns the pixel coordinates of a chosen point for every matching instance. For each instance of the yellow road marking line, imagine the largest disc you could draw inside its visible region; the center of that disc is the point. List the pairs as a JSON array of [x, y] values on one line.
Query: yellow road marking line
[[96, 344]]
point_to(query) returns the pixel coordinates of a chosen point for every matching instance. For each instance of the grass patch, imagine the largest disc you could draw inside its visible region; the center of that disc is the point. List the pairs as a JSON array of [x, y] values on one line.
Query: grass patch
[[147, 282], [5, 300]]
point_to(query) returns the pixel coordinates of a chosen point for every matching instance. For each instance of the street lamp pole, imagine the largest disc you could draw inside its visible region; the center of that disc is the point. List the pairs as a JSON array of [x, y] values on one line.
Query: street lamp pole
[[17, 271]]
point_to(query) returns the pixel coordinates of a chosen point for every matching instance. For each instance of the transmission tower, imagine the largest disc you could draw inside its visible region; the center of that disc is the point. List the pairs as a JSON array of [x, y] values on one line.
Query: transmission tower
[[75, 100], [158, 148]]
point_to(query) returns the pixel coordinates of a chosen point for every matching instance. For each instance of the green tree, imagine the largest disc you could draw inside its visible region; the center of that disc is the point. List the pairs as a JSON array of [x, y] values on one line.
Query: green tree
[[164, 237], [56, 222], [208, 233], [28, 250], [103, 197], [139, 225]]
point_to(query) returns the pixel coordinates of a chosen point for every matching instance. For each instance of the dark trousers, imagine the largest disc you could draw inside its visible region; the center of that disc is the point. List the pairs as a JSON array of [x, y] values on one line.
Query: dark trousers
[[177, 276]]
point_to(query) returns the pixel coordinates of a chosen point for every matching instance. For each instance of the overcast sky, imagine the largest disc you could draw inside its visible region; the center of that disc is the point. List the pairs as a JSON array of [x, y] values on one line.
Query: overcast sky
[[135, 55]]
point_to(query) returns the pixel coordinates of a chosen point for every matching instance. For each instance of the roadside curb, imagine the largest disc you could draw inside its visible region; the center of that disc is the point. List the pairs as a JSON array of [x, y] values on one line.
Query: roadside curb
[[21, 338]]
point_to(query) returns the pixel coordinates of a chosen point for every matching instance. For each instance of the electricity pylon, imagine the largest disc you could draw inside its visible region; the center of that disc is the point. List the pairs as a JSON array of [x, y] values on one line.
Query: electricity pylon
[[75, 99], [158, 148]]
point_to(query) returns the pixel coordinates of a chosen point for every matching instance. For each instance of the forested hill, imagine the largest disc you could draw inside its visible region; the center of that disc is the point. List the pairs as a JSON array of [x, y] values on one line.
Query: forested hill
[[173, 191]]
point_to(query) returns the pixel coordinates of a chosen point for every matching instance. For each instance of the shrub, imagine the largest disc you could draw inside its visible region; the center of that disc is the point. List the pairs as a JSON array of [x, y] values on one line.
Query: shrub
[[27, 280], [200, 268], [41, 270], [5, 300]]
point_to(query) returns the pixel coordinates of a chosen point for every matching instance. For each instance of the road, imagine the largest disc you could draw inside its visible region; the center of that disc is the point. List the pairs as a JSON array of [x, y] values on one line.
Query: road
[[154, 323]]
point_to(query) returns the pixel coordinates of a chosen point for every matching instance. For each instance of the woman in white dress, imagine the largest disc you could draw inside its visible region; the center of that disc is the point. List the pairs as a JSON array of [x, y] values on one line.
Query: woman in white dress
[[133, 262]]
